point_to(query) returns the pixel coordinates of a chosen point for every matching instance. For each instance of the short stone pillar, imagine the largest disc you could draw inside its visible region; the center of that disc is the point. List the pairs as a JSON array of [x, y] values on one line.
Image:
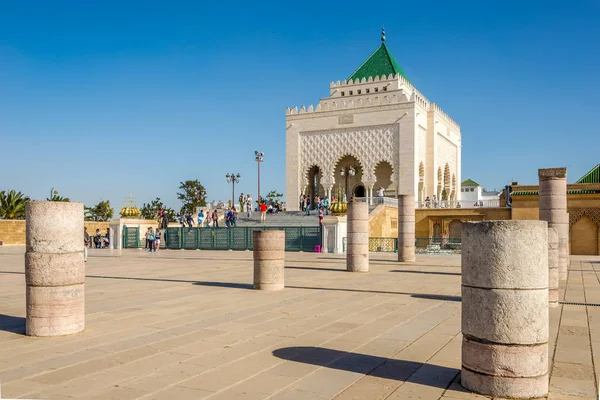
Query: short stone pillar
[[505, 308], [54, 268], [552, 268], [553, 209], [406, 227], [357, 242], [269, 259]]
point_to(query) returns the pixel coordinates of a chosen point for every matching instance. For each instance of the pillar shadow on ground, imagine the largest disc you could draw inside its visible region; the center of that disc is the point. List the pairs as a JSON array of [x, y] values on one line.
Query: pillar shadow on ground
[[380, 367], [426, 272], [441, 297], [10, 323], [316, 268]]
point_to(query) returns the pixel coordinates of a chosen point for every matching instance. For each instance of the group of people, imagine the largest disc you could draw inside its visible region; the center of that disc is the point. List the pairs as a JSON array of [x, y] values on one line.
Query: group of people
[[319, 203], [153, 239], [98, 240]]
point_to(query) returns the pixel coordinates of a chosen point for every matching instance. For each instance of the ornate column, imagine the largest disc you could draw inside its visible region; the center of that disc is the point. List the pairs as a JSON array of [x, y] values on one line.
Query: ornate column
[[553, 209], [505, 318]]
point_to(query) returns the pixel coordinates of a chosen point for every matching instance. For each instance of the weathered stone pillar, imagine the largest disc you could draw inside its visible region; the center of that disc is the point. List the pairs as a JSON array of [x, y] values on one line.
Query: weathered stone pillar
[[553, 209], [269, 259], [552, 268], [505, 308], [54, 268], [406, 227], [357, 253]]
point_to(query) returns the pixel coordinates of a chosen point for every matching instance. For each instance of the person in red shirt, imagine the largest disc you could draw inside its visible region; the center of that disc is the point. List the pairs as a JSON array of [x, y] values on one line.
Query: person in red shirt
[[263, 212]]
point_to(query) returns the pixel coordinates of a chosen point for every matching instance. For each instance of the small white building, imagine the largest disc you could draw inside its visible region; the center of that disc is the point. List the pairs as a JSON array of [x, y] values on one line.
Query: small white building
[[474, 195], [374, 130]]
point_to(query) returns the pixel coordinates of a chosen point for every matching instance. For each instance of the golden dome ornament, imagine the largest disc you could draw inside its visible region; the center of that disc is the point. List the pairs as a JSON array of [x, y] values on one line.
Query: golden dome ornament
[[130, 209]]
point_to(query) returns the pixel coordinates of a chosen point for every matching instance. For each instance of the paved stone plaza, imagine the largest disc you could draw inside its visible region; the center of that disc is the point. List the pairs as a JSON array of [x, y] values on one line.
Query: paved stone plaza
[[186, 325]]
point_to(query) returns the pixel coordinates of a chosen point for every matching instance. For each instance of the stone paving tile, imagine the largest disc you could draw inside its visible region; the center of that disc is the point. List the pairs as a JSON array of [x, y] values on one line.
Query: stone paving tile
[[161, 327]]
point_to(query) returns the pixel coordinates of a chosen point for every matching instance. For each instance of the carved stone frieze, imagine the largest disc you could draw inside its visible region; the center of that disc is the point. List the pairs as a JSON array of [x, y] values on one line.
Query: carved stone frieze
[[369, 145], [575, 215]]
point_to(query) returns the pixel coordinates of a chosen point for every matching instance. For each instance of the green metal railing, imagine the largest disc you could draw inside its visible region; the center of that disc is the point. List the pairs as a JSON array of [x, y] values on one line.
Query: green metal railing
[[302, 238], [131, 237], [422, 245]]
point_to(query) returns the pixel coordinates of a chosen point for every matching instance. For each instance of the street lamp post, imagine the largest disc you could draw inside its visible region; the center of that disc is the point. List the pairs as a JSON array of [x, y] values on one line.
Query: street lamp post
[[347, 172], [233, 179], [258, 157]]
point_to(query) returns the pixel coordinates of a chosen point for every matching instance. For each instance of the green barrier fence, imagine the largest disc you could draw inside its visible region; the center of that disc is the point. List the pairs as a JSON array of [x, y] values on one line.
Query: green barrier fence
[[302, 238]]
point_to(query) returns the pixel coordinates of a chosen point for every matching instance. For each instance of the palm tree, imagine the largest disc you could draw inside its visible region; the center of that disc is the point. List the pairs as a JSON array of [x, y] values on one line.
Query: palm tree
[[12, 204], [56, 197]]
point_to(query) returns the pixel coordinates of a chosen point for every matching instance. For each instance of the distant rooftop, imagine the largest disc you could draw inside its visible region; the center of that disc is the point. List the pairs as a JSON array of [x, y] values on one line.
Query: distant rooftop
[[593, 176], [469, 182]]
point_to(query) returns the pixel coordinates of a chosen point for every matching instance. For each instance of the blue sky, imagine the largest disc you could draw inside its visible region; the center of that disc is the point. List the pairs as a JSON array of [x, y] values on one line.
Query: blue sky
[[104, 99]]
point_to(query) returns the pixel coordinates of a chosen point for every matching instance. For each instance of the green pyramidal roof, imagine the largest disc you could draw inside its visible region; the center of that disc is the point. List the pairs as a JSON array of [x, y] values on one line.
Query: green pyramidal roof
[[591, 177], [469, 182], [381, 62]]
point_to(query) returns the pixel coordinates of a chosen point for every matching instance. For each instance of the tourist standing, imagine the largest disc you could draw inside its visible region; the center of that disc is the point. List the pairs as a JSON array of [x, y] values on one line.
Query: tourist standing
[[208, 219], [307, 206], [320, 216], [157, 240], [227, 216], [263, 212], [249, 206], [151, 239], [215, 218], [200, 218], [301, 200], [190, 220], [86, 243], [147, 236], [98, 239], [326, 205], [234, 216], [242, 201]]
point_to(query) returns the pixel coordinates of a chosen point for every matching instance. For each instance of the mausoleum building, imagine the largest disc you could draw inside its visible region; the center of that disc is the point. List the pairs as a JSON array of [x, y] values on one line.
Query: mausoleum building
[[374, 130]]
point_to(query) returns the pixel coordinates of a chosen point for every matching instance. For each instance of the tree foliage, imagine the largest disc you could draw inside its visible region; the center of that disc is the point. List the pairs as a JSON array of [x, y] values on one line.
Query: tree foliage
[[100, 212], [12, 204], [56, 197], [273, 196], [192, 195], [150, 211]]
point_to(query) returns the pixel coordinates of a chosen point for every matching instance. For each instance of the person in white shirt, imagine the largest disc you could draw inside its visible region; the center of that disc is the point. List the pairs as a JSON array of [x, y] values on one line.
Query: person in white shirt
[[249, 206]]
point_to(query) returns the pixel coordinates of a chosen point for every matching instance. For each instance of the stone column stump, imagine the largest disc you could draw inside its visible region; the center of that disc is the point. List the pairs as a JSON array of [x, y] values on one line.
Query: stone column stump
[[553, 209], [505, 322], [357, 242], [269, 259], [552, 268], [406, 227], [54, 268]]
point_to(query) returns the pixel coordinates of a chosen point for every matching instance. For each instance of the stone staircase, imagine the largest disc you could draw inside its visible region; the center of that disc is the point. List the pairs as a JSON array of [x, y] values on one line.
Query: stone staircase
[[287, 218]]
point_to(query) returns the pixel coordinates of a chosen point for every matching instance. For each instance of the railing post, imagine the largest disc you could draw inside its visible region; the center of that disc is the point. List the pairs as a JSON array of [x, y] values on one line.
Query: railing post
[[125, 229], [181, 233]]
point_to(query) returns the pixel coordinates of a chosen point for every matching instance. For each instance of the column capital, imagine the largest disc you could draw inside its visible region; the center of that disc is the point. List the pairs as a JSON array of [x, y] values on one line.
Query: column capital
[[552, 173]]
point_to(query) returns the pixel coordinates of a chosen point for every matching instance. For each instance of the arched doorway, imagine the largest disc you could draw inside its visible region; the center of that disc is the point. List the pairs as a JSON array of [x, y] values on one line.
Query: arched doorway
[[584, 237], [359, 191], [455, 231], [314, 184], [383, 178], [348, 174]]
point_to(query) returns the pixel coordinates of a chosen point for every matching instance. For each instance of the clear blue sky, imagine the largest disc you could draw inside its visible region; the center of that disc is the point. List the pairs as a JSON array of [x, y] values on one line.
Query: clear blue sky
[[103, 99]]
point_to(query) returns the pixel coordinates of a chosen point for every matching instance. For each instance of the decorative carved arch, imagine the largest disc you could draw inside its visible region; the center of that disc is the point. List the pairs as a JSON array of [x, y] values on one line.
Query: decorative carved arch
[[575, 215], [368, 145]]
